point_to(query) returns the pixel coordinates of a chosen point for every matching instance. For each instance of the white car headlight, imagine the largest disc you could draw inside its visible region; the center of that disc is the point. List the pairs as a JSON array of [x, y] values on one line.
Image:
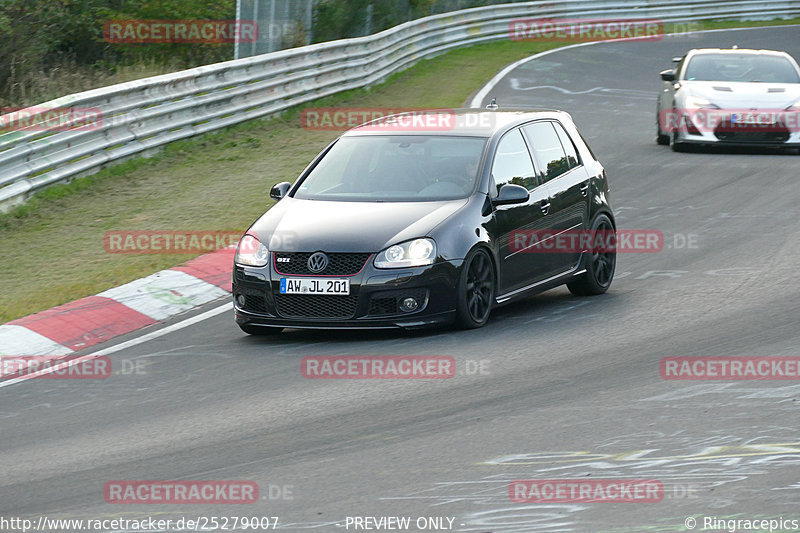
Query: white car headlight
[[696, 102], [794, 107], [419, 252], [251, 252]]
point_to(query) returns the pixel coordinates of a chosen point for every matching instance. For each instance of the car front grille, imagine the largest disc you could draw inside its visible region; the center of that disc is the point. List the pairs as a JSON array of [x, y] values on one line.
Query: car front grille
[[340, 264], [751, 133], [316, 306]]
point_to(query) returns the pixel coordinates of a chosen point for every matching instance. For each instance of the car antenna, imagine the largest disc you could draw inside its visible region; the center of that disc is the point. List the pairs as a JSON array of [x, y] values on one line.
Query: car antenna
[[492, 105]]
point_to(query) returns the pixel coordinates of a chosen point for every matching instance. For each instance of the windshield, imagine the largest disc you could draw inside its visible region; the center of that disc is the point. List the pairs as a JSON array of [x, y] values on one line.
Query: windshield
[[741, 67], [395, 168]]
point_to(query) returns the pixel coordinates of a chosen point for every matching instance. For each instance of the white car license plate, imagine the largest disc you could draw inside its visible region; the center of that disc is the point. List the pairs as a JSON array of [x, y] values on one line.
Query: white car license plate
[[339, 287], [752, 119]]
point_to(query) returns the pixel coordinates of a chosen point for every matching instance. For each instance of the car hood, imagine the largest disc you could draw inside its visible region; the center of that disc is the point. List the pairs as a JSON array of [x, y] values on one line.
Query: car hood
[[294, 225], [741, 95]]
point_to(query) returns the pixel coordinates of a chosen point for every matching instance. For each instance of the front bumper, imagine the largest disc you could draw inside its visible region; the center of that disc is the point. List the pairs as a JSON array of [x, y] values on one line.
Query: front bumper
[[711, 126], [373, 302]]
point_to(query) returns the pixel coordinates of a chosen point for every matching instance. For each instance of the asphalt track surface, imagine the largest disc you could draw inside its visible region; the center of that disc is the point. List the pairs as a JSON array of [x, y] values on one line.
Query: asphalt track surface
[[569, 387]]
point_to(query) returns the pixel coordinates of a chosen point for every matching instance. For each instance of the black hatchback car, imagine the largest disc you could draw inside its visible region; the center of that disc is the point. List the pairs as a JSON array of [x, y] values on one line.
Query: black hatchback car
[[414, 221]]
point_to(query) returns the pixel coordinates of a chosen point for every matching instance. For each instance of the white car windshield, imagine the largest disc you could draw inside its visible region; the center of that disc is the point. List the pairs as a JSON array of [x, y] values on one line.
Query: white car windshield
[[741, 68], [395, 168]]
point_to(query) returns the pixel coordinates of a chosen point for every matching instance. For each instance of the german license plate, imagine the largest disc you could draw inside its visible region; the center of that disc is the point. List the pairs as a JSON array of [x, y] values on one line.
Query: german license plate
[[752, 119], [339, 287]]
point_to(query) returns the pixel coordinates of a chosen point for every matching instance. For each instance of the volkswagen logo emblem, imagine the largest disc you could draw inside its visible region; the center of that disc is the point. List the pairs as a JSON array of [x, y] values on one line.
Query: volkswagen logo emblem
[[317, 262]]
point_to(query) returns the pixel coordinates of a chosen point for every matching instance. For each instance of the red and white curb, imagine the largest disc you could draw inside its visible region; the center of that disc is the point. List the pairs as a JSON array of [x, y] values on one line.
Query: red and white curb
[[95, 319]]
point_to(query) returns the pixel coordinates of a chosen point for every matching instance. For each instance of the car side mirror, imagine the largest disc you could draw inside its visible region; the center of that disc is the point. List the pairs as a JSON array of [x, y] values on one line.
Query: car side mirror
[[668, 75], [511, 193], [280, 190]]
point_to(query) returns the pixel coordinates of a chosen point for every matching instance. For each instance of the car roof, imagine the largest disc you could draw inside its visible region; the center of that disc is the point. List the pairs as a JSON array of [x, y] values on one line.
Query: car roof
[[454, 122], [738, 51]]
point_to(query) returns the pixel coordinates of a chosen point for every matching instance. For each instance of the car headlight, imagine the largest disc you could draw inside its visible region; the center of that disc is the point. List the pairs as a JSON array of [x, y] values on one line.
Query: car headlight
[[251, 252], [794, 107], [419, 252], [696, 102]]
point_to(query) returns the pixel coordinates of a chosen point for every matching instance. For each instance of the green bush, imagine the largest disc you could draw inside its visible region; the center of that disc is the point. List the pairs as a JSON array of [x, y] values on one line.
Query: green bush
[[49, 48], [338, 19], [38, 37]]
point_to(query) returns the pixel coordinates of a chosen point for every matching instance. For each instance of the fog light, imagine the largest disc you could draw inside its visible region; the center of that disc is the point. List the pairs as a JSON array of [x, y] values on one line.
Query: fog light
[[409, 304], [240, 299]]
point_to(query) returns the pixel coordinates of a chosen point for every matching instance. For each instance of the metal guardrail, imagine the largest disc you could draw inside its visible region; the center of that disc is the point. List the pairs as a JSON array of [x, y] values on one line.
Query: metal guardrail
[[144, 115]]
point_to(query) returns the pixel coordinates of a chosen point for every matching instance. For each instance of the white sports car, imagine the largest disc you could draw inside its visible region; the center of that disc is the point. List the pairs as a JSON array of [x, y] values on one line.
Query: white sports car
[[732, 96]]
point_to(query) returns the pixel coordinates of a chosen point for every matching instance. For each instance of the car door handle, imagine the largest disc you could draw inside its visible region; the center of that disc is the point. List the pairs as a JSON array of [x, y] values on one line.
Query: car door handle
[[585, 189], [544, 205]]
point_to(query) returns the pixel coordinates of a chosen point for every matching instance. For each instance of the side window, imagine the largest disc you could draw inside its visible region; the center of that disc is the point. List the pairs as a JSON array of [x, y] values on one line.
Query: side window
[[551, 161], [569, 147], [512, 162]]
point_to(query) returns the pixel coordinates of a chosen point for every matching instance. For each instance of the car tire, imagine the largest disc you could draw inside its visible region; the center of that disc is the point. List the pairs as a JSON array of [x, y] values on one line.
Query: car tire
[[599, 265], [661, 138], [476, 289], [259, 330], [675, 144]]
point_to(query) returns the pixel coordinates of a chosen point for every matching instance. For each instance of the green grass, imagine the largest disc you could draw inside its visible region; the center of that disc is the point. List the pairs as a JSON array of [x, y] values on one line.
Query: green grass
[[52, 247]]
